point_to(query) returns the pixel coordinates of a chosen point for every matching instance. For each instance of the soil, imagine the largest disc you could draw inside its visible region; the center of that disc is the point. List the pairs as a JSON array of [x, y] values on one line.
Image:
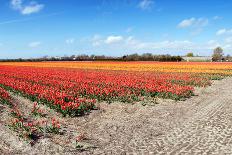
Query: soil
[[201, 124]]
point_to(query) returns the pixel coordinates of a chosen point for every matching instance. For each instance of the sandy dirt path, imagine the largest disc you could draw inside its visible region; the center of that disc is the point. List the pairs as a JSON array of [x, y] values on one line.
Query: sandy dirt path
[[199, 125]]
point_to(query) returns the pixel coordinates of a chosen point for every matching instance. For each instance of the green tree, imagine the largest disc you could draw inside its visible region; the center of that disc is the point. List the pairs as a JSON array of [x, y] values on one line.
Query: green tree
[[190, 54], [218, 54]]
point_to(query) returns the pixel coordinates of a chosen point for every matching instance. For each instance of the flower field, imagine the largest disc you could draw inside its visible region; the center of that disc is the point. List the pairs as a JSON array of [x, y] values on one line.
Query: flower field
[[183, 67], [4, 96], [73, 88]]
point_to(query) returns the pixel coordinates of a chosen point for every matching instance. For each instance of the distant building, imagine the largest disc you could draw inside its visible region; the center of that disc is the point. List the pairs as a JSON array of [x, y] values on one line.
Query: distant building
[[57, 57], [198, 59]]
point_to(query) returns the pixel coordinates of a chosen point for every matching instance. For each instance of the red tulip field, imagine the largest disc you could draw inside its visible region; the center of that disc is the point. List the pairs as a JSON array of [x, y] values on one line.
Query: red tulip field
[[40, 99]]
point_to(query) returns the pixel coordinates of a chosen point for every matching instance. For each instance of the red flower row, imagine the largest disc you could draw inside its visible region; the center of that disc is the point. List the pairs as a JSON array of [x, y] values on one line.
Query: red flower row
[[4, 95], [75, 89]]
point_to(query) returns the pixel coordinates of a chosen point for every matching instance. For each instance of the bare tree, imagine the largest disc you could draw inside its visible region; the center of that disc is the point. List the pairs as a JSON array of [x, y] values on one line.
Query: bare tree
[[218, 54]]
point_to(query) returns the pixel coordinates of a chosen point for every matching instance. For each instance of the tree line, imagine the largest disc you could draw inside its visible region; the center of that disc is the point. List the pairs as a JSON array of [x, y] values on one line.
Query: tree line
[[217, 55], [84, 57]]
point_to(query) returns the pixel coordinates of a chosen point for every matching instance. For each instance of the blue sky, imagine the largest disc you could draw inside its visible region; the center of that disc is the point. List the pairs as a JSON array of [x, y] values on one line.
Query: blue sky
[[35, 28]]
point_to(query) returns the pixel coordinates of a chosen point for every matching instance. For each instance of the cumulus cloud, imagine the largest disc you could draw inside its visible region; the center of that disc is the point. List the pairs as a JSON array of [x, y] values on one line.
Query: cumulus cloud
[[228, 46], [166, 44], [70, 41], [211, 44], [186, 23], [228, 40], [146, 4], [113, 39], [228, 43], [129, 29], [217, 17], [131, 43], [224, 32], [16, 4], [32, 8], [193, 22], [221, 31], [26, 9], [34, 44], [97, 40]]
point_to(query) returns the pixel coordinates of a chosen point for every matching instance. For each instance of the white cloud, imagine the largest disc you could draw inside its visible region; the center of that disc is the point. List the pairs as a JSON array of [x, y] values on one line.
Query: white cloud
[[96, 37], [96, 43], [70, 41], [16, 4], [129, 29], [224, 31], [113, 39], [176, 44], [228, 43], [217, 17], [131, 43], [34, 44], [221, 31], [211, 44], [146, 4], [134, 44], [193, 22], [186, 23], [96, 40], [201, 22], [27, 19], [228, 40], [32, 7], [227, 46]]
